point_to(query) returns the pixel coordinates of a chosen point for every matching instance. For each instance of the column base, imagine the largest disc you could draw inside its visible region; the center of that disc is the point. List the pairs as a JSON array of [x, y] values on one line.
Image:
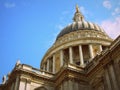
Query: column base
[[82, 65]]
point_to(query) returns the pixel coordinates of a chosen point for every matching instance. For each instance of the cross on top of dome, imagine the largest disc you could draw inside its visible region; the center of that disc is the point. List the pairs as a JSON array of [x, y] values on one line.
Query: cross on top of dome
[[78, 15]]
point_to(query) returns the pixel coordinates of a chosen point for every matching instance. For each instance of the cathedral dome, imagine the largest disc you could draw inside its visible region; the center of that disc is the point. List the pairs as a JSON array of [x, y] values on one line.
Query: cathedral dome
[[77, 44], [79, 23]]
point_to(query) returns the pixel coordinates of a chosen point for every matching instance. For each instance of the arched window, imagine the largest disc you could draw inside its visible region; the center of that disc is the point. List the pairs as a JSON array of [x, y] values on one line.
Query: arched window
[[40, 88]]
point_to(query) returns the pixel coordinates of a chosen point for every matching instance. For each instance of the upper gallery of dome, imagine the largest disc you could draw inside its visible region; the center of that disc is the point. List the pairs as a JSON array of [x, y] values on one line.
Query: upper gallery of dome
[[79, 23]]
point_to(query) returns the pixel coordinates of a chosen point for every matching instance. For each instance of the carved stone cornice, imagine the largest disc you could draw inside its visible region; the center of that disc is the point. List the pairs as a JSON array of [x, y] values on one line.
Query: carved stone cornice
[[81, 34], [69, 74], [29, 75]]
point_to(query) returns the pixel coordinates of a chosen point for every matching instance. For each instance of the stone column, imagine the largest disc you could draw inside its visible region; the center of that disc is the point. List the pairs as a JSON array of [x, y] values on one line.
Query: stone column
[[107, 80], [43, 67], [61, 58], [81, 55], [70, 55], [22, 84], [12, 86], [75, 85], [70, 84], [91, 51], [100, 48], [16, 83], [65, 85], [61, 87], [28, 84], [54, 63], [117, 72], [48, 64], [113, 78]]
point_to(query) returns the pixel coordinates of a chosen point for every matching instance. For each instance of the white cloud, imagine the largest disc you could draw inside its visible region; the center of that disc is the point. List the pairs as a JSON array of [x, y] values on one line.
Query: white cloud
[[107, 4], [112, 27], [119, 3], [9, 5], [116, 11], [113, 13]]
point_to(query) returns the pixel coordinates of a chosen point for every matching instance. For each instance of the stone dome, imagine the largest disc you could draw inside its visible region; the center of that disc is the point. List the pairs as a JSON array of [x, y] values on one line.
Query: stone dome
[[77, 44], [79, 23]]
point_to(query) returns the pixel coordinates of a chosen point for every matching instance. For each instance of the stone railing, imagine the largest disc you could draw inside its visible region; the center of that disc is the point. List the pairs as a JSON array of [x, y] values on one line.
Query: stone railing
[[28, 68], [75, 67], [72, 67], [96, 60]]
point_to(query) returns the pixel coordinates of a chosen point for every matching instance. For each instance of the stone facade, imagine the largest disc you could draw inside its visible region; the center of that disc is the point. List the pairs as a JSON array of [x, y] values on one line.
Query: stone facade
[[82, 59]]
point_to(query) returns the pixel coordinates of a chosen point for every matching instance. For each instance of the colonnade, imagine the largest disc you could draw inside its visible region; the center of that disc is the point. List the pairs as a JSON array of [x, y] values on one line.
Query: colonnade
[[111, 78], [72, 84], [71, 59]]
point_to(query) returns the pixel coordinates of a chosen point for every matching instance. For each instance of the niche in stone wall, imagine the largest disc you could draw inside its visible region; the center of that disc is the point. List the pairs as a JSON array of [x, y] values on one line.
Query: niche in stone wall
[[76, 58], [50, 64], [66, 55], [104, 47], [57, 61], [45, 66], [86, 54], [96, 49]]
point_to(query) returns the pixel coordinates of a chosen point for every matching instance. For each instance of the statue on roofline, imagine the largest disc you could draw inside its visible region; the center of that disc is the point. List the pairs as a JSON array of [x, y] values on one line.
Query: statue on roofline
[[4, 79]]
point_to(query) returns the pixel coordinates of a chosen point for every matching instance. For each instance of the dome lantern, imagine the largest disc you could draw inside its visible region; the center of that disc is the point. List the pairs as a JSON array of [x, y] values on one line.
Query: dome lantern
[[78, 15]]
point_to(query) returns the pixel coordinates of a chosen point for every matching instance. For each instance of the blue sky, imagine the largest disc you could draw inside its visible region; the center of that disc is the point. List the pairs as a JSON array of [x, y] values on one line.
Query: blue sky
[[29, 27]]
